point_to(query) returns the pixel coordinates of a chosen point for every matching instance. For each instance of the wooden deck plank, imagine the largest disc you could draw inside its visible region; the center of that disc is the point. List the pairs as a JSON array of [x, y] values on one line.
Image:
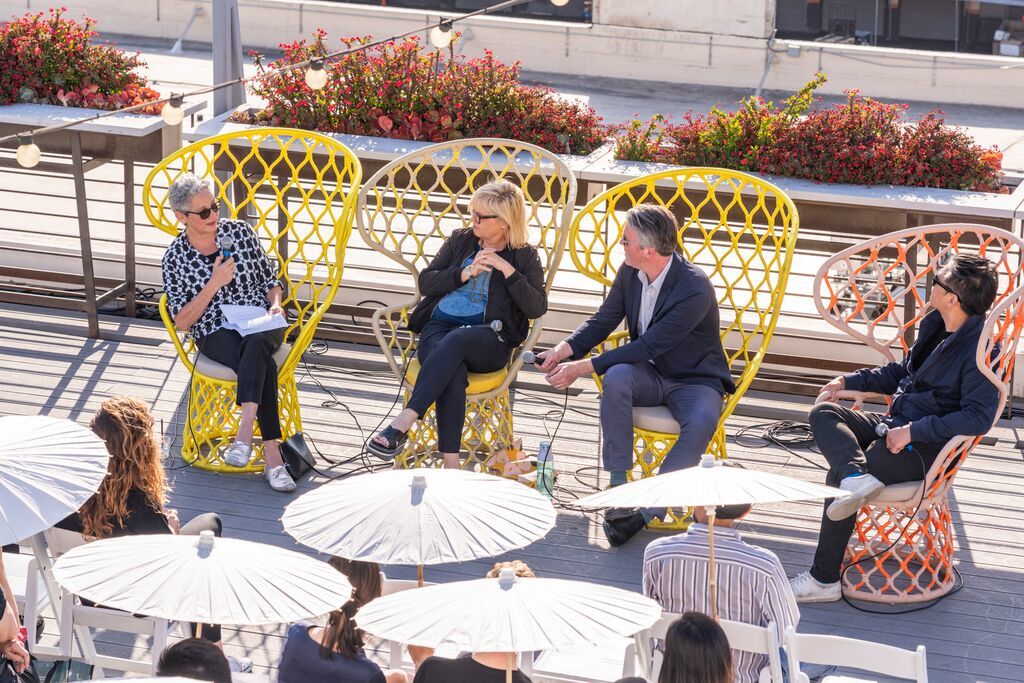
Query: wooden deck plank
[[978, 634]]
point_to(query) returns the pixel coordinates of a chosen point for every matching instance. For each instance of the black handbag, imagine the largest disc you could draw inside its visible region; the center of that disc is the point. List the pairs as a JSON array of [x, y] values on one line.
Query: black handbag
[[9, 675], [67, 670], [296, 455]]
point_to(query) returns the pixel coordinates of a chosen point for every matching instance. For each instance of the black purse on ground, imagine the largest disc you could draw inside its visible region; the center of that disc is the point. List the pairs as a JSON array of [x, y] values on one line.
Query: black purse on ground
[[8, 674], [296, 455]]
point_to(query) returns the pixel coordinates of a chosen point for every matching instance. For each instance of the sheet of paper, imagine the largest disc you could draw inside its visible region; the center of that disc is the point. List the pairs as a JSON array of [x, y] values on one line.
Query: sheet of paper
[[248, 320]]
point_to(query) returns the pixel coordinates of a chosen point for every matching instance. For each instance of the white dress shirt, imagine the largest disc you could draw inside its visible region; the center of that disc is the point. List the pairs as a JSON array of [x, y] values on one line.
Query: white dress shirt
[[649, 295]]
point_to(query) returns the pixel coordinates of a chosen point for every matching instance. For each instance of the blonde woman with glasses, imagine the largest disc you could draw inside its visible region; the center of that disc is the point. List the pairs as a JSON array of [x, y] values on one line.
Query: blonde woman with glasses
[[482, 275]]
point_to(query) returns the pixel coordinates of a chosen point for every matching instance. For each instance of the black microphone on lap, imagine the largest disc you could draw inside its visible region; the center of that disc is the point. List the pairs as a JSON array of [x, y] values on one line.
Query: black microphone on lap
[[494, 325]]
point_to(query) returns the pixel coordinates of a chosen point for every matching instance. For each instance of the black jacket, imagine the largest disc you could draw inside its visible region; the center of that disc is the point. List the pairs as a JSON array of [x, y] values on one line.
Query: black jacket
[[683, 339], [514, 301], [943, 395]]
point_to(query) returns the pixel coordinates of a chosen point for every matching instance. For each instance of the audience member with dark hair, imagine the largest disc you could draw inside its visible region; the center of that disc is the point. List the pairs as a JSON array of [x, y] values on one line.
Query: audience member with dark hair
[[676, 576], [696, 651], [937, 392], [194, 658], [334, 653]]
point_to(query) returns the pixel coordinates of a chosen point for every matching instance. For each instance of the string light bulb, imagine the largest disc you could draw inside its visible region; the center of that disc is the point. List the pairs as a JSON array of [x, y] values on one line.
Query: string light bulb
[[316, 74], [441, 35], [559, 3], [28, 151], [172, 111]]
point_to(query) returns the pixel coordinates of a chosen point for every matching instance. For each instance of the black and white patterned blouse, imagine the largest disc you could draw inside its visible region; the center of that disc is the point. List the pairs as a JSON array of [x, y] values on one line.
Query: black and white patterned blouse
[[186, 271]]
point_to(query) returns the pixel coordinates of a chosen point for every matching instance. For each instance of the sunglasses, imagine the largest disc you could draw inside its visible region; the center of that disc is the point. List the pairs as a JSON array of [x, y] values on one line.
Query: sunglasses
[[946, 287], [477, 217], [205, 213]]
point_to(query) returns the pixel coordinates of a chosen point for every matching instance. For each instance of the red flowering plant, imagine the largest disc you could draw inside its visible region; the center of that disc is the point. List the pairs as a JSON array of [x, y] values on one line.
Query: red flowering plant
[[49, 59], [861, 142], [400, 90]]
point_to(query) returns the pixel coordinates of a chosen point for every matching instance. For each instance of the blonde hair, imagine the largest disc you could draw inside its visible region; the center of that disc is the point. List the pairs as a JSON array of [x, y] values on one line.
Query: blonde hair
[[520, 568], [507, 201], [126, 426]]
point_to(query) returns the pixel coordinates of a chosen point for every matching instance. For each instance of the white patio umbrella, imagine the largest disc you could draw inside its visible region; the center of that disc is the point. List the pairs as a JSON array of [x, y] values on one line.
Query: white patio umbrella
[[202, 579], [508, 614], [419, 516], [48, 468], [710, 485]]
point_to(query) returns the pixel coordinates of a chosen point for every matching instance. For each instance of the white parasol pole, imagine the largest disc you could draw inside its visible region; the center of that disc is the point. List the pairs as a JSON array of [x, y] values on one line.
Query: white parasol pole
[[712, 582], [508, 668]]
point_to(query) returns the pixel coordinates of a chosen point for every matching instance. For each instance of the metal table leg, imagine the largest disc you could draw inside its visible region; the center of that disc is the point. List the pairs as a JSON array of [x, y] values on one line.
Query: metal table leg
[[88, 275]]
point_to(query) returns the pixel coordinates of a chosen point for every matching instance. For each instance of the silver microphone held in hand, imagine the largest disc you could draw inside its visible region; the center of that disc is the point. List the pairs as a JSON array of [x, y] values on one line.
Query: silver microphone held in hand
[[881, 429], [227, 247], [529, 357]]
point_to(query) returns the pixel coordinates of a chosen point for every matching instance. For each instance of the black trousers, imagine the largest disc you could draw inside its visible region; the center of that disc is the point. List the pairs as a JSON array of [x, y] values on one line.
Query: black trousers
[[447, 354], [849, 443], [252, 359]]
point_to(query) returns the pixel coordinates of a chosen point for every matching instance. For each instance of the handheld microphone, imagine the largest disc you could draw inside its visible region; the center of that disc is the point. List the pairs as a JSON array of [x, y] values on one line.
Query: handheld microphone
[[495, 325], [227, 247], [881, 429], [529, 357]]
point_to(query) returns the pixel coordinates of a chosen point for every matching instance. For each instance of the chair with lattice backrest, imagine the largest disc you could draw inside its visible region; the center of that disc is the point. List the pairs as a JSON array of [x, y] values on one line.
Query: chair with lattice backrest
[[741, 230], [297, 190], [877, 292], [407, 209]]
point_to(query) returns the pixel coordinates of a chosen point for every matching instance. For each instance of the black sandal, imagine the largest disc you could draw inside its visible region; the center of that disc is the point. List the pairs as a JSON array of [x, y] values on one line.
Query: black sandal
[[396, 442]]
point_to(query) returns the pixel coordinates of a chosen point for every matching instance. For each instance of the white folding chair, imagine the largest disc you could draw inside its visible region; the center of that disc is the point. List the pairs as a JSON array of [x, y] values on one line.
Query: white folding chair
[[77, 621], [29, 589], [761, 640], [850, 653], [590, 663]]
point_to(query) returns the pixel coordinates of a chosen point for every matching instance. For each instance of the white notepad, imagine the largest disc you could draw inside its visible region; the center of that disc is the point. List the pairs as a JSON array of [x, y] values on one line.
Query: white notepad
[[248, 320]]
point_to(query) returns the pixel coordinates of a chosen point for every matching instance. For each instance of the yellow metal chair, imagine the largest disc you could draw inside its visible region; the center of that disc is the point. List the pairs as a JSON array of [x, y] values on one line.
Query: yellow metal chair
[[877, 292], [297, 189], [742, 231], [407, 209]]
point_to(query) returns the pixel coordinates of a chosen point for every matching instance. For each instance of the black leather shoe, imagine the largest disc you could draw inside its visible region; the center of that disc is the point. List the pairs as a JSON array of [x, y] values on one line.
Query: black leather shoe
[[618, 530]]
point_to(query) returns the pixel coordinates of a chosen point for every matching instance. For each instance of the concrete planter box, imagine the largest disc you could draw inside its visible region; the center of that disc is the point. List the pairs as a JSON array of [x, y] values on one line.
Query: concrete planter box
[[135, 137]]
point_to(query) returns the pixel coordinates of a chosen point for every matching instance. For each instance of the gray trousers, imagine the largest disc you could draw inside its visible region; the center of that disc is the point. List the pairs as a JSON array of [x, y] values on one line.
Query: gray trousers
[[694, 406]]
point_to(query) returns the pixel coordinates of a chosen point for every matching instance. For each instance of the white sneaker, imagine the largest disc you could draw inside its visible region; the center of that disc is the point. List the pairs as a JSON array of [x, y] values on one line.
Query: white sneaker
[[240, 665], [808, 589], [237, 454], [279, 479], [863, 489]]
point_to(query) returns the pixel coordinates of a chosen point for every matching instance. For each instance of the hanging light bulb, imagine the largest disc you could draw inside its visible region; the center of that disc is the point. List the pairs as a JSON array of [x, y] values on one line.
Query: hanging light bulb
[[172, 111], [441, 35], [316, 75], [28, 151], [559, 3]]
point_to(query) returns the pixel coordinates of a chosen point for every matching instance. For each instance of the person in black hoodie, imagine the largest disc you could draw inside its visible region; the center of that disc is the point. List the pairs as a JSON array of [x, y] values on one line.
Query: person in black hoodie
[[481, 275], [938, 393]]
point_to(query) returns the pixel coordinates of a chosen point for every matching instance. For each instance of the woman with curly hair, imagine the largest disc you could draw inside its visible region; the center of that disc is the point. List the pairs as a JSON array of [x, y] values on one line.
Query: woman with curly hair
[[132, 499]]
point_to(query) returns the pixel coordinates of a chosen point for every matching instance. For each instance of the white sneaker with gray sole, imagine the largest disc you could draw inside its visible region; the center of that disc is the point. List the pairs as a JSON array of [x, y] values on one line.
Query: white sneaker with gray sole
[[279, 479], [806, 588], [863, 489], [237, 454]]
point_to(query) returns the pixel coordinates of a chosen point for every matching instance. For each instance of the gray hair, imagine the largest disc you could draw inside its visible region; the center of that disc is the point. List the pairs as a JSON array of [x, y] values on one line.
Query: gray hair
[[184, 188], [655, 227]]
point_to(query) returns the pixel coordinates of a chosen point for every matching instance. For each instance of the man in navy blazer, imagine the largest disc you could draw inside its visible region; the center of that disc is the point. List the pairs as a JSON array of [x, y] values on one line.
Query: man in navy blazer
[[938, 393], [674, 356]]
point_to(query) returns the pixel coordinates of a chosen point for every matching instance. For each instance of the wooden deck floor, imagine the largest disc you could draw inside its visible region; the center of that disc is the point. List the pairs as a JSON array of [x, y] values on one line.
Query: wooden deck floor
[[50, 367]]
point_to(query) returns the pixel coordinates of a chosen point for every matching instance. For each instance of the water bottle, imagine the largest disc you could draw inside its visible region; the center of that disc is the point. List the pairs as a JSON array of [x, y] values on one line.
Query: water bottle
[[545, 470]]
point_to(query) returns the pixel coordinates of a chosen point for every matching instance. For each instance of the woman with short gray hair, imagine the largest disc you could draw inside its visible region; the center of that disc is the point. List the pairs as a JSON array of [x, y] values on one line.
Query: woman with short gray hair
[[216, 261]]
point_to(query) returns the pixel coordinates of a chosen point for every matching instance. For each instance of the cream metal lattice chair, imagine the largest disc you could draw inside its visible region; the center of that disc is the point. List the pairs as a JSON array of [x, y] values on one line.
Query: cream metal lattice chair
[[742, 231], [877, 292], [407, 209], [297, 189]]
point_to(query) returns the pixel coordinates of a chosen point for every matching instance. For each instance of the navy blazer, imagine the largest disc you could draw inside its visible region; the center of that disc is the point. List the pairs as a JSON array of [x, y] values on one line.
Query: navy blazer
[[683, 339], [943, 395]]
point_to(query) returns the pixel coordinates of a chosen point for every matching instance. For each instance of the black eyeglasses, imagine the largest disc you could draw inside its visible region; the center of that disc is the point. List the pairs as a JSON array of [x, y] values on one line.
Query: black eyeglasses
[[481, 217], [946, 287], [205, 213]]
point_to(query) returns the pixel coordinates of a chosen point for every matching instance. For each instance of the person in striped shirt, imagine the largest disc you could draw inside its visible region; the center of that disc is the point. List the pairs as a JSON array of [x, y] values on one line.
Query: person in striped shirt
[[752, 586]]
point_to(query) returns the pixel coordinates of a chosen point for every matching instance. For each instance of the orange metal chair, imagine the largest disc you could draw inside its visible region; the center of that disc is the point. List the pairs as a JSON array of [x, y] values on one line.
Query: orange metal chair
[[876, 292]]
